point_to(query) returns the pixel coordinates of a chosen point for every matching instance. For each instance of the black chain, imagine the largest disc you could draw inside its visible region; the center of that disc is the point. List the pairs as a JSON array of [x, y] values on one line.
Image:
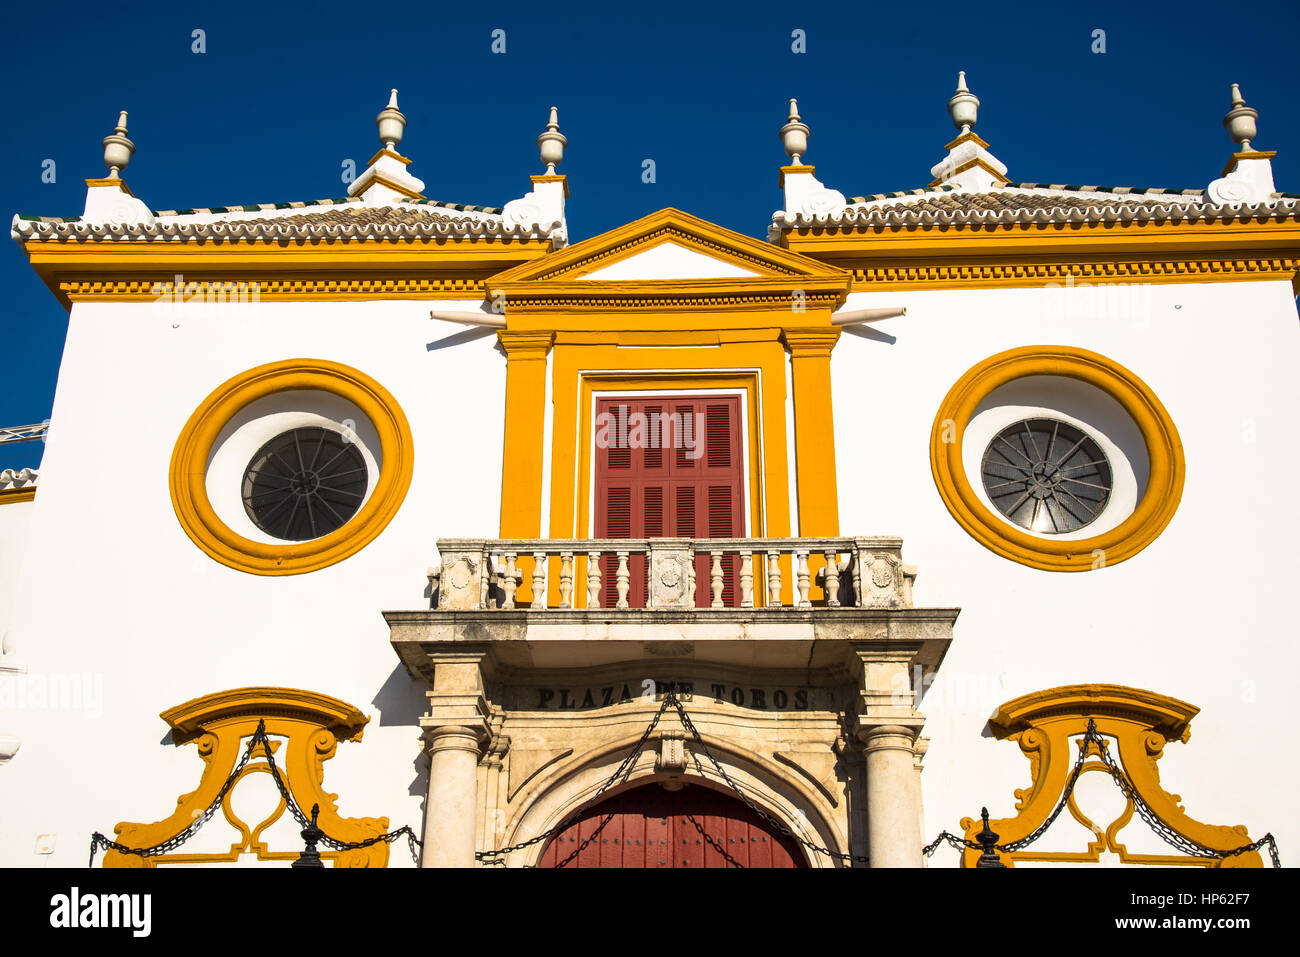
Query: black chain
[[624, 769], [669, 699], [1164, 831], [689, 726], [98, 840]]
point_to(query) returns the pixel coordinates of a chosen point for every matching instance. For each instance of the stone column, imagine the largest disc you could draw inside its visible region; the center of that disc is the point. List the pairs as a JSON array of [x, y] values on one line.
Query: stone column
[[455, 731], [451, 809], [887, 726], [893, 818]]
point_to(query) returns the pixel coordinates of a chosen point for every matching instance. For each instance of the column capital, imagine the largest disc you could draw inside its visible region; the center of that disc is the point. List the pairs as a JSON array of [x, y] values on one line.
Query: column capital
[[470, 734], [525, 344], [898, 733], [810, 343]]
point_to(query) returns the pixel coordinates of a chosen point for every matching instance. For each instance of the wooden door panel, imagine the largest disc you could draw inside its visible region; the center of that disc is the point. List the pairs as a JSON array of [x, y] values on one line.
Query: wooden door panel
[[689, 828]]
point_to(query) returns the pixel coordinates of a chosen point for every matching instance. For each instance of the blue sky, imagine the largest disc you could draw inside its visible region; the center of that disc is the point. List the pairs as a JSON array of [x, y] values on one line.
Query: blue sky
[[285, 92]]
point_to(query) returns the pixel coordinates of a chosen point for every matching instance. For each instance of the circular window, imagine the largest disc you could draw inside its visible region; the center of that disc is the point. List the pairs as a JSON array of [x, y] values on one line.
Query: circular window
[[304, 483], [1079, 465], [1046, 475], [291, 467]]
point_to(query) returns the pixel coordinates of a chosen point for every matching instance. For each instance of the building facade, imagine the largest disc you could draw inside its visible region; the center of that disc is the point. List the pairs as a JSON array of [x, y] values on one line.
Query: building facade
[[668, 547]]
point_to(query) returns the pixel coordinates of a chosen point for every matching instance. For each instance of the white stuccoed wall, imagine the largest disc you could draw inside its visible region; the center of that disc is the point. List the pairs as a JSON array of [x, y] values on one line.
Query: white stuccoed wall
[[15, 522], [1203, 614], [121, 595]]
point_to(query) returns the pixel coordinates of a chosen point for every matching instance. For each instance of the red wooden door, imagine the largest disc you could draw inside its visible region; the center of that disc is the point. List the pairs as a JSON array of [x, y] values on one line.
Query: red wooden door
[[653, 827], [669, 466]]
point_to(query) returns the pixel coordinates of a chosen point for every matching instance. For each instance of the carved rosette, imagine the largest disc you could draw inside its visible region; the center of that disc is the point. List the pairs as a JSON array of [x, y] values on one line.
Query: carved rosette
[[463, 578], [670, 574]]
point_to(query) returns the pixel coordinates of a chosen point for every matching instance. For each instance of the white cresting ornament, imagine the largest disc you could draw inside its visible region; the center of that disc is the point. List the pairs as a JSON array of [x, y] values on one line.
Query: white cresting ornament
[[387, 180], [392, 124], [552, 142], [964, 105], [1249, 177], [1239, 120], [805, 195], [794, 136], [118, 150]]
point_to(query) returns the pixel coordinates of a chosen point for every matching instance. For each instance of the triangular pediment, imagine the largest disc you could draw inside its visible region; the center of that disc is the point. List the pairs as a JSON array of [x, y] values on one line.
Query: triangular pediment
[[670, 246], [668, 260]]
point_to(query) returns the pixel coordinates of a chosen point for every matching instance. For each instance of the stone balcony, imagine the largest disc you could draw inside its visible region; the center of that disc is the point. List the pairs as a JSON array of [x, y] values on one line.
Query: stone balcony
[[537, 604], [545, 662]]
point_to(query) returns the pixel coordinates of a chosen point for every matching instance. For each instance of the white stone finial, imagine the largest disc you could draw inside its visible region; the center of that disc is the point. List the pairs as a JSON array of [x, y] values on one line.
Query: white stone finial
[[551, 142], [1240, 120], [118, 150], [794, 135], [964, 105], [391, 123]]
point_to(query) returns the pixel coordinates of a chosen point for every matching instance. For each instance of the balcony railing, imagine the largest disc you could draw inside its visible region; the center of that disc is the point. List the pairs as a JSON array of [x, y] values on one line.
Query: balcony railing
[[671, 573]]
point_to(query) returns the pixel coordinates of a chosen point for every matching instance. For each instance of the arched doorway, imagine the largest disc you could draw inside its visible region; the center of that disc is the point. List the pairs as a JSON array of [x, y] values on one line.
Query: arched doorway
[[651, 826]]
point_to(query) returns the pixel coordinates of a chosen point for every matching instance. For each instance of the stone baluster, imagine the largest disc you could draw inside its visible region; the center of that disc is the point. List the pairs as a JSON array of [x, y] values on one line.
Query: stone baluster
[[539, 579], [624, 580], [774, 579], [566, 579], [832, 579], [690, 576], [715, 575], [593, 579], [856, 558], [484, 579], [510, 584], [746, 579], [805, 580]]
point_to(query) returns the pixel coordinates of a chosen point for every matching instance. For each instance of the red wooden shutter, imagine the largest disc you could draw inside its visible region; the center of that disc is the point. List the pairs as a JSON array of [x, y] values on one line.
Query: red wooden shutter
[[694, 492]]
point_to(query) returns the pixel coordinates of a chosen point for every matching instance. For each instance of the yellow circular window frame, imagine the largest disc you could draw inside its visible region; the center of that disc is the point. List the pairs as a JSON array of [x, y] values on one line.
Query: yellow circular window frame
[[1164, 450], [190, 459]]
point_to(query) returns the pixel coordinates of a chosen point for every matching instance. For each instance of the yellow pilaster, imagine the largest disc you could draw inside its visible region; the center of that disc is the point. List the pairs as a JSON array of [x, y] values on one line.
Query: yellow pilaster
[[521, 466], [814, 433]]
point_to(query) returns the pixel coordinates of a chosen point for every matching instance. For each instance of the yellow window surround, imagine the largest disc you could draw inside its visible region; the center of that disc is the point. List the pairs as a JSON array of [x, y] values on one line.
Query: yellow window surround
[[661, 335]]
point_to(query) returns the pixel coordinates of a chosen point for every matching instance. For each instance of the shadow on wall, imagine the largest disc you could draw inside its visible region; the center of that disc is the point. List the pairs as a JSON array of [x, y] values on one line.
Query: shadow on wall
[[401, 702], [459, 338]]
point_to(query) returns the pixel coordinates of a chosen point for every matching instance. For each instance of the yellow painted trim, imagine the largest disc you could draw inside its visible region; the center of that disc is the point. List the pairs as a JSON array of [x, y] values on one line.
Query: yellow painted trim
[[372, 176], [1248, 155], [275, 290], [313, 723], [814, 429], [12, 496], [757, 367], [1026, 274], [110, 181], [188, 476], [1032, 254], [556, 178], [771, 262], [389, 153], [301, 270], [1164, 449], [795, 170], [971, 164], [1139, 724], [968, 136]]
